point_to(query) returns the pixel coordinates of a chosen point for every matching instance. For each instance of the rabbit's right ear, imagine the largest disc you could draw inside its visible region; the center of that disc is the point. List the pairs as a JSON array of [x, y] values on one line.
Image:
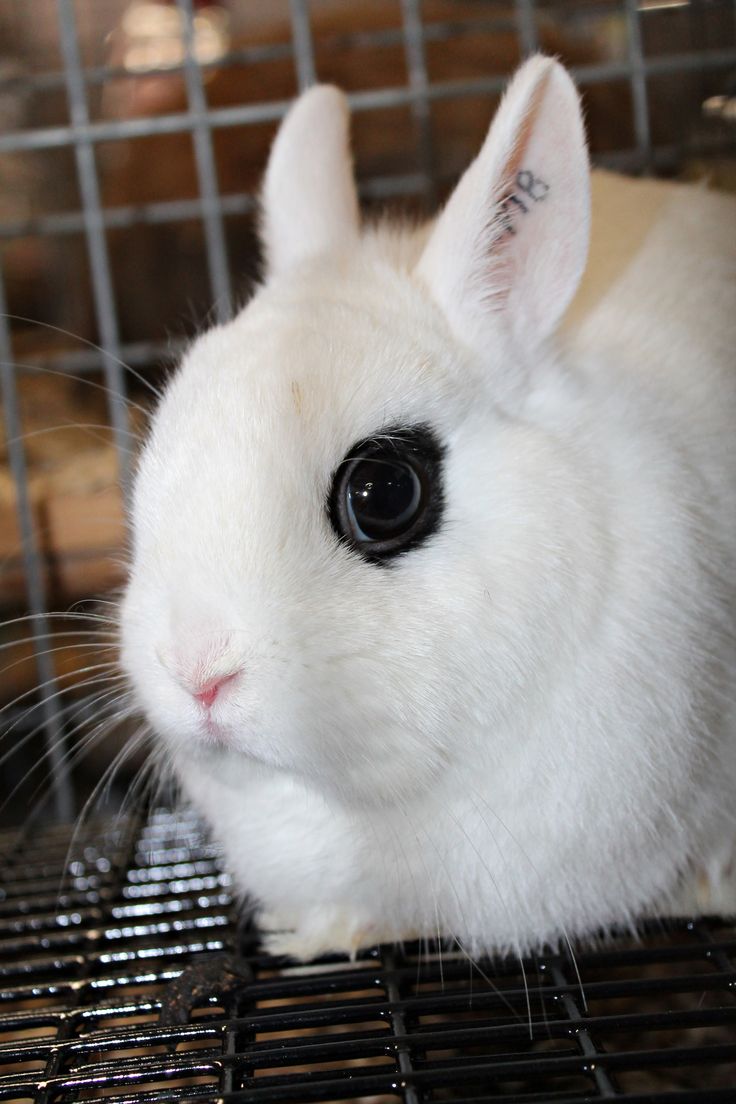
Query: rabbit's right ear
[[513, 238], [309, 199]]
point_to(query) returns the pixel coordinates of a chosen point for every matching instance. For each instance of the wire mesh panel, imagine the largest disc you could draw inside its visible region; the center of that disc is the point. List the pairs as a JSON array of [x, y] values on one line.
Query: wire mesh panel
[[92, 939]]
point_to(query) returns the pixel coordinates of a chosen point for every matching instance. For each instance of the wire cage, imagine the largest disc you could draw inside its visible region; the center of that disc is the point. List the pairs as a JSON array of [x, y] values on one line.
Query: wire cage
[[91, 943], [132, 137]]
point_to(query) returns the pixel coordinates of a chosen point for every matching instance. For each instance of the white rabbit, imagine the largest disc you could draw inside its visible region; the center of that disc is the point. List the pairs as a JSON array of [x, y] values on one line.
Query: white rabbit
[[431, 609]]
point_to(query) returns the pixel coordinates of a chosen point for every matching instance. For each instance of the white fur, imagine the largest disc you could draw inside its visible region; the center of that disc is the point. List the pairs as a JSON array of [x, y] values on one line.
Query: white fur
[[528, 263], [310, 205], [524, 727]]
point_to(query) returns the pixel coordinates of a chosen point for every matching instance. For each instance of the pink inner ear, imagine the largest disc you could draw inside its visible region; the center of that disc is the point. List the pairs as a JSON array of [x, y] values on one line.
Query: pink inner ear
[[508, 244], [546, 211], [514, 235]]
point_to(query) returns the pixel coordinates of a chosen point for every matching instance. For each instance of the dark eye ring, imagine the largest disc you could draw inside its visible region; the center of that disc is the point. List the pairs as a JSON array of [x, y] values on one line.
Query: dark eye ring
[[386, 495]]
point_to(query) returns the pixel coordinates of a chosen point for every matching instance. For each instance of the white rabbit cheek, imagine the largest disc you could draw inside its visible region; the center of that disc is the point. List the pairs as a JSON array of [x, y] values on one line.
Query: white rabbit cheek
[[358, 710]]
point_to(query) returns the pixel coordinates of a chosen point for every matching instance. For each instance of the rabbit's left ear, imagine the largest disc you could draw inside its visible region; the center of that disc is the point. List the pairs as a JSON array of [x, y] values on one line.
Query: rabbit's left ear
[[309, 201], [513, 237]]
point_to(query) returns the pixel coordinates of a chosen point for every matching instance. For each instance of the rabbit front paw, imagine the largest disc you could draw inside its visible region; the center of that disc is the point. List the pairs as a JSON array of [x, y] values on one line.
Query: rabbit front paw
[[325, 931]]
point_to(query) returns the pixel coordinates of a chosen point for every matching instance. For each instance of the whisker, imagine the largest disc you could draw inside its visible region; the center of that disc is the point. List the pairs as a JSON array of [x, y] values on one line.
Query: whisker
[[504, 906], [97, 602], [97, 633], [428, 882], [139, 738], [473, 962], [78, 379], [127, 749], [524, 853], [51, 651], [105, 727], [87, 703], [573, 959], [88, 426], [91, 344], [161, 764], [437, 924], [50, 697], [60, 614], [56, 678], [72, 755], [46, 754]]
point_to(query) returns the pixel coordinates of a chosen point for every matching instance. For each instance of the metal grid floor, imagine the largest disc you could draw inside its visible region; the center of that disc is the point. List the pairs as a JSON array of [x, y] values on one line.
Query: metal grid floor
[[89, 944]]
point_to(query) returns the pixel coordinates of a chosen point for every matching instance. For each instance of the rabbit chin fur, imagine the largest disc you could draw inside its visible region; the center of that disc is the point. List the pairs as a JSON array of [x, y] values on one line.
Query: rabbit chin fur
[[523, 728]]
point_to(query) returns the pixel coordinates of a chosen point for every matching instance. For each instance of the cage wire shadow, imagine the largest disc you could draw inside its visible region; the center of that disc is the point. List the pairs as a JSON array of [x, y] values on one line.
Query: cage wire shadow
[[83, 973]]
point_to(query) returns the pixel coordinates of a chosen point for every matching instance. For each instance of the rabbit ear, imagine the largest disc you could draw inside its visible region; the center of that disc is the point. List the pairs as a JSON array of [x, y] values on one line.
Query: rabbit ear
[[309, 199], [513, 237]]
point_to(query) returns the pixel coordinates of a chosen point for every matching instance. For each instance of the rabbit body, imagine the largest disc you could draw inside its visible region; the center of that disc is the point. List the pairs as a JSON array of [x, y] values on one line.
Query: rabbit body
[[522, 729]]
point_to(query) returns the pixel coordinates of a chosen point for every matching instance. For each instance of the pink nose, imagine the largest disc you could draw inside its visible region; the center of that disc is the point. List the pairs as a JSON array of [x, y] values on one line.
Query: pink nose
[[208, 691]]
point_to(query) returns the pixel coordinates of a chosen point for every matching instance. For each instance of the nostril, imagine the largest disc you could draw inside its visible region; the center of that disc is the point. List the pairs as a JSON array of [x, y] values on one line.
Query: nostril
[[209, 690]]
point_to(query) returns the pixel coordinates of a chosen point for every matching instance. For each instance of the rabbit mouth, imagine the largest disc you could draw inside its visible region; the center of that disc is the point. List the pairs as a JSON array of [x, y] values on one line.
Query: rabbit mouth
[[216, 735]]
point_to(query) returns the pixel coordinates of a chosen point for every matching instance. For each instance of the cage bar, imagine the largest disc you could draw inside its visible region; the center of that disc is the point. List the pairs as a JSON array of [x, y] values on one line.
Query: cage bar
[[638, 80], [416, 64], [527, 23], [399, 96], [303, 47], [95, 232], [211, 207], [53, 729]]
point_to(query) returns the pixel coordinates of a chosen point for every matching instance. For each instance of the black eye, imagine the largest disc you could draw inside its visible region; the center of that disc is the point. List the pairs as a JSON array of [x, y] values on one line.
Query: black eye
[[386, 495]]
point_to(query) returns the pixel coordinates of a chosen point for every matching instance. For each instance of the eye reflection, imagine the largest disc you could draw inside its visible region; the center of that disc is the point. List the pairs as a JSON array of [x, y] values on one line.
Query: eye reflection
[[386, 495]]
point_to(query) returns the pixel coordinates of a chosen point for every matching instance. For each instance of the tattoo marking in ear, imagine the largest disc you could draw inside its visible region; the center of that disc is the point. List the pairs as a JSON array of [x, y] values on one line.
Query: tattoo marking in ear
[[534, 188]]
